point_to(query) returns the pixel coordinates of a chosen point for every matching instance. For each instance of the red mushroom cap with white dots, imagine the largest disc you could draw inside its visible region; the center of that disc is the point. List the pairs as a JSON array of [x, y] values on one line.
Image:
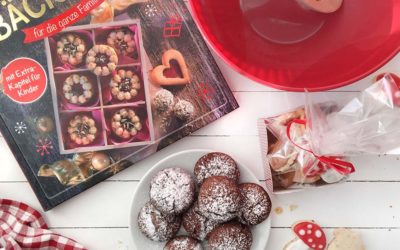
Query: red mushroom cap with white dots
[[311, 234]]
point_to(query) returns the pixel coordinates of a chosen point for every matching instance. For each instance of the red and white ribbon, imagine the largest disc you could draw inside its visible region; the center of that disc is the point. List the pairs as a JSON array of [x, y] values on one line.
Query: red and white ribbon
[[342, 167]]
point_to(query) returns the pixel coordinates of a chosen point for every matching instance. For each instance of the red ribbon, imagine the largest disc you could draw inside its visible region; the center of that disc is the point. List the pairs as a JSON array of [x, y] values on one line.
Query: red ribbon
[[60, 22], [343, 167]]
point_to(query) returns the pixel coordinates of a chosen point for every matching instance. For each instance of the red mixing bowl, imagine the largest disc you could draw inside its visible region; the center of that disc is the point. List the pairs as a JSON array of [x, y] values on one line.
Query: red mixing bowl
[[288, 47]]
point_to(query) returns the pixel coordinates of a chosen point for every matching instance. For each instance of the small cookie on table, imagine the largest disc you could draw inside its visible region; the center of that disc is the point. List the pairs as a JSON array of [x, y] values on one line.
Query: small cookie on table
[[346, 239]]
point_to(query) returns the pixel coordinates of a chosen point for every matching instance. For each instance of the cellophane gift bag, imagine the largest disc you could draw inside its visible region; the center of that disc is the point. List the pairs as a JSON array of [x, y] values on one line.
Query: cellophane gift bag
[[309, 146], [368, 123]]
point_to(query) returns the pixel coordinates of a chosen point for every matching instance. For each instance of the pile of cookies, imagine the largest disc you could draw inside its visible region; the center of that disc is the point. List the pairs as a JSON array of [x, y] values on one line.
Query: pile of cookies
[[212, 207]]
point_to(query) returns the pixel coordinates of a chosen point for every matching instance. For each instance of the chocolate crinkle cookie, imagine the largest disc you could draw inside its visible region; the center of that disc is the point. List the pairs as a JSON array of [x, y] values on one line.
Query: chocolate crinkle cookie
[[219, 198], [196, 224], [256, 205], [183, 243], [230, 236], [216, 164], [157, 226], [172, 190]]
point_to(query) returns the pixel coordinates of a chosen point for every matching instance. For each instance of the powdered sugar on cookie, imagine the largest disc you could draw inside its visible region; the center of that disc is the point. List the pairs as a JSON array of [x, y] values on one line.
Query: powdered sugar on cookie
[[219, 198], [172, 190], [216, 164]]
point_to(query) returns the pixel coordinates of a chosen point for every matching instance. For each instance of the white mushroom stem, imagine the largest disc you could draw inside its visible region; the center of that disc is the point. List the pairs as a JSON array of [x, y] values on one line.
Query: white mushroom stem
[[296, 244]]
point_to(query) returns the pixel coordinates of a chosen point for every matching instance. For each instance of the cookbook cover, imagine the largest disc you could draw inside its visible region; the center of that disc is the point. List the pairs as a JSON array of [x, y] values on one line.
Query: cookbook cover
[[90, 87]]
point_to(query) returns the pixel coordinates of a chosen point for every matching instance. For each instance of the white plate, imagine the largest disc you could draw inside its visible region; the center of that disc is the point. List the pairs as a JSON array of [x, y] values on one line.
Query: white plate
[[185, 160]]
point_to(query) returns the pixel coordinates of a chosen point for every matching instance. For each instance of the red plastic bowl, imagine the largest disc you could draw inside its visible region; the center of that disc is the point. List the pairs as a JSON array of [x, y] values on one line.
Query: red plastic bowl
[[325, 51]]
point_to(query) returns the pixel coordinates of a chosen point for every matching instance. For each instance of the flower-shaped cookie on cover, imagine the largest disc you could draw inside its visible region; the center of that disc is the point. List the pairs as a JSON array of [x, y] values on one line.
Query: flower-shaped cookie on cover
[[82, 130], [77, 89], [71, 48], [125, 85], [102, 60], [123, 41], [125, 123]]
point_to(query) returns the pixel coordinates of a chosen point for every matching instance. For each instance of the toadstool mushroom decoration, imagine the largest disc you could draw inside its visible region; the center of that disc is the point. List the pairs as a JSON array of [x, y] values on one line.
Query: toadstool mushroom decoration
[[309, 237]]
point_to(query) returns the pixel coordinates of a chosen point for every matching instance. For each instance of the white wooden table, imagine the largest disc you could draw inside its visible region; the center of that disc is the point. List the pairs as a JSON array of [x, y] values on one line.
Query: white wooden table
[[369, 202]]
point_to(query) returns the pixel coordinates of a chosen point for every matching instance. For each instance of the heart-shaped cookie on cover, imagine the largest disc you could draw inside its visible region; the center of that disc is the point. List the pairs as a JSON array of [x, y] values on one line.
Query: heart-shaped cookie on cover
[[324, 6], [181, 77]]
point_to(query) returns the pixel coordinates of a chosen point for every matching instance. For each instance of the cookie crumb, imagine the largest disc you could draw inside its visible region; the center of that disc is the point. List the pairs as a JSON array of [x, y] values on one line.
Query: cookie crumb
[[278, 210], [293, 207]]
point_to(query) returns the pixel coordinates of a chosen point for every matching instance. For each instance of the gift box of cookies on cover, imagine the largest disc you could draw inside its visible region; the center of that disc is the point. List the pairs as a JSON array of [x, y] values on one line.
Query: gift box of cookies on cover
[[312, 145], [102, 98]]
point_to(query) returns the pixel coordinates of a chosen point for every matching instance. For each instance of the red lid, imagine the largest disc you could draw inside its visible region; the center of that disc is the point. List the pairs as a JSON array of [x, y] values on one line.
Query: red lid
[[286, 46]]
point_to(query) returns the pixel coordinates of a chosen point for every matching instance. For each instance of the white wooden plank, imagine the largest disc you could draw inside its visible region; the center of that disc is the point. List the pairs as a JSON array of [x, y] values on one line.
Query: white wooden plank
[[106, 205], [119, 239], [346, 205], [255, 105], [374, 239], [10, 170], [349, 205], [100, 238], [251, 157], [369, 168]]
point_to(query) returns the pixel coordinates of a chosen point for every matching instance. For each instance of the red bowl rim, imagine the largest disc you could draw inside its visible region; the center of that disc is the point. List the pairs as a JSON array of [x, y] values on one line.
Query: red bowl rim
[[281, 87]]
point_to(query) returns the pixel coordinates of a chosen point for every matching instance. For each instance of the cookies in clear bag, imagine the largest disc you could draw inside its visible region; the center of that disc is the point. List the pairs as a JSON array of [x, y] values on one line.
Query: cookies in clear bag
[[289, 164]]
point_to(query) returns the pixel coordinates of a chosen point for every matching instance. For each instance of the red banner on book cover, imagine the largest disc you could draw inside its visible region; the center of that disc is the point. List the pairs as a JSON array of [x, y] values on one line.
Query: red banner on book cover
[[24, 80], [60, 22]]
